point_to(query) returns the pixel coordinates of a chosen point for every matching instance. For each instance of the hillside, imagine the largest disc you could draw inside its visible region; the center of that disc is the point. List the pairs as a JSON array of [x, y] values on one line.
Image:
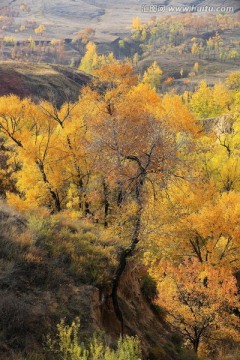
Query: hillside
[[50, 82], [59, 41], [41, 283], [66, 18]]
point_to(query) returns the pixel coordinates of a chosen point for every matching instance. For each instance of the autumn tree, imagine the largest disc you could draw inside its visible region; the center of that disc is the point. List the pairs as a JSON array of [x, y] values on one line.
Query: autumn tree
[[195, 217], [200, 301], [31, 141], [204, 200], [92, 61], [196, 67], [152, 76], [49, 154], [89, 61], [32, 44], [70, 119], [129, 162], [40, 29], [233, 80], [196, 49], [201, 102], [135, 59], [136, 23], [83, 37], [86, 35]]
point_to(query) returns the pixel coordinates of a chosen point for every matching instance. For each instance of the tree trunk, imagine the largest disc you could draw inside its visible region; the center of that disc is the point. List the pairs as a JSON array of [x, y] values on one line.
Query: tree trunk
[[106, 202], [54, 194], [196, 345], [121, 267], [79, 175], [126, 253]]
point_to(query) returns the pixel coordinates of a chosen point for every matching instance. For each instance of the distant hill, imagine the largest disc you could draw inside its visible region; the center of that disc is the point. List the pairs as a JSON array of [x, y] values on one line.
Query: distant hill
[[50, 82], [64, 18]]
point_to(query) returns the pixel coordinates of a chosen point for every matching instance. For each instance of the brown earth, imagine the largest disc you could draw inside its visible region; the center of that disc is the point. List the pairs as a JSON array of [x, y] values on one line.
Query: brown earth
[[45, 81], [36, 291]]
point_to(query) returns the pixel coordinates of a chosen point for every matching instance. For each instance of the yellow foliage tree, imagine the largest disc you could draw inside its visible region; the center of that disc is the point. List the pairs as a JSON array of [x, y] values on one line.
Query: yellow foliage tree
[[136, 23], [152, 76], [92, 61], [40, 29]]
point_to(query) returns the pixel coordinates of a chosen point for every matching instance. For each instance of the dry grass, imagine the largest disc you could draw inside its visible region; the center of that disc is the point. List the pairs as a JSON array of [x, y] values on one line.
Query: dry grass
[[41, 81]]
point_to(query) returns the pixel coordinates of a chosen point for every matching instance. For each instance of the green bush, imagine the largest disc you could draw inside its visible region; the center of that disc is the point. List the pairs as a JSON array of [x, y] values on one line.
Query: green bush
[[66, 346], [43, 230]]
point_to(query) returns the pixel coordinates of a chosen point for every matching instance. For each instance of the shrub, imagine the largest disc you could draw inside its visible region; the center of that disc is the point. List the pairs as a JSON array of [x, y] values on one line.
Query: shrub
[[66, 346], [157, 353], [15, 315], [43, 230], [149, 288], [86, 258], [187, 354], [14, 237], [158, 311]]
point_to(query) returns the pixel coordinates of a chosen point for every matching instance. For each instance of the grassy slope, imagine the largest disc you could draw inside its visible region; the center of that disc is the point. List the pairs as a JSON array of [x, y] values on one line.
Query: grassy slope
[[41, 81], [42, 281]]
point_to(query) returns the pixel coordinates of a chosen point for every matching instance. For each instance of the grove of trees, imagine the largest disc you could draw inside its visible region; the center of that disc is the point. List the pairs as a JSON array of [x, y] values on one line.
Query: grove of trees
[[159, 172]]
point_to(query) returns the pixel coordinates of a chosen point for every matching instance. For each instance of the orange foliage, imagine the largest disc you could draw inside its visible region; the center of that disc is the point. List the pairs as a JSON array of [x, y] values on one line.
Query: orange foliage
[[200, 300]]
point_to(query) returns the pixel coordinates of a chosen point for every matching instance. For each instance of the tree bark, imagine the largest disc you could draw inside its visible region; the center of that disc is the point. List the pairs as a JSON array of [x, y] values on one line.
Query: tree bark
[[128, 252], [54, 194], [106, 202]]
